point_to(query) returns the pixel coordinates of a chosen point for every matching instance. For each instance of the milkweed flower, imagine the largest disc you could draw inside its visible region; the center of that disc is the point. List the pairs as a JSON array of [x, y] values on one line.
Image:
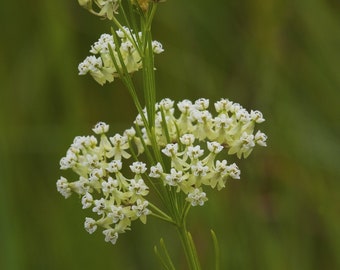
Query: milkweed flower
[[100, 64], [191, 139], [102, 8], [116, 199]]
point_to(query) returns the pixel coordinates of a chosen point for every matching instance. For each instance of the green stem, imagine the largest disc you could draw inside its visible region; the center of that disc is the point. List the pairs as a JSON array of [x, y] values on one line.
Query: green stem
[[161, 214], [188, 246], [176, 205]]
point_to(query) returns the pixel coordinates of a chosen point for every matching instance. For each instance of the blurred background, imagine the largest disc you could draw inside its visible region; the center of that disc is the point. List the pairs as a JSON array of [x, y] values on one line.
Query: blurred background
[[280, 57]]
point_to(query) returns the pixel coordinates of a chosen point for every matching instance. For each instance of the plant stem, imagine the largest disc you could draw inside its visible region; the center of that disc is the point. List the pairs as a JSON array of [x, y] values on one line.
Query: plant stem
[[176, 205], [188, 246]]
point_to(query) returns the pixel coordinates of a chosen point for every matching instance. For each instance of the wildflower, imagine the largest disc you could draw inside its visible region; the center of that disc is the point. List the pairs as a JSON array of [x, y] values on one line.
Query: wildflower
[[256, 116], [197, 197], [199, 169], [219, 175], [103, 44], [87, 200], [214, 147], [81, 186], [63, 187], [107, 8], [110, 235], [185, 106], [156, 171], [138, 167], [194, 152], [261, 138], [100, 206], [243, 146], [114, 166], [197, 138], [69, 161], [102, 68], [157, 47], [90, 225], [171, 150], [101, 128], [117, 213], [201, 104], [223, 105], [120, 144], [138, 187], [175, 177], [233, 171], [96, 174], [221, 167], [204, 124], [110, 186], [140, 210], [187, 139], [94, 66], [184, 122]]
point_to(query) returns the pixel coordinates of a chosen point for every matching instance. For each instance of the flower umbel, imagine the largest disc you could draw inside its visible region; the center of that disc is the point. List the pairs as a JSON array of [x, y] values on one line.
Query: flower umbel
[[102, 65], [116, 199], [191, 152]]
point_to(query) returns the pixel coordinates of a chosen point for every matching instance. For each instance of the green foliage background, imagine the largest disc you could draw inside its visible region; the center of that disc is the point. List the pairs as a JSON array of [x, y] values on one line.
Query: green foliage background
[[281, 57]]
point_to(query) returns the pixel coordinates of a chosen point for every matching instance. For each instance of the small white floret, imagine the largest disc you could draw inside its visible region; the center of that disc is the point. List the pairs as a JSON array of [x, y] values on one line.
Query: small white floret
[[233, 171], [187, 139], [185, 106], [138, 187], [170, 149], [156, 171], [110, 236], [87, 200], [157, 47], [197, 197], [261, 138], [199, 169], [114, 166], [101, 128], [90, 225], [194, 152], [110, 185], [63, 187], [202, 104], [257, 116], [138, 167], [140, 208], [214, 147], [100, 206]]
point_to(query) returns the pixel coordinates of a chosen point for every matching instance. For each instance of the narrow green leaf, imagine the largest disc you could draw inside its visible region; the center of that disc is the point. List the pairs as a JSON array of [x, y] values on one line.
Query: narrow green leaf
[[166, 253], [194, 251], [216, 250], [161, 260]]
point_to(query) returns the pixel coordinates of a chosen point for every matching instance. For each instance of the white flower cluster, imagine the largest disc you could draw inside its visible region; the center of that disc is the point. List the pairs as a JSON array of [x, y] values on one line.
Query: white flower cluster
[[101, 66], [107, 8], [195, 131], [191, 168], [232, 127], [190, 142], [116, 199]]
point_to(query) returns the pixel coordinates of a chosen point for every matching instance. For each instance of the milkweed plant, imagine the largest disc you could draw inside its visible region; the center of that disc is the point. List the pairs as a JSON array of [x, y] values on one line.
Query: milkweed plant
[[172, 149]]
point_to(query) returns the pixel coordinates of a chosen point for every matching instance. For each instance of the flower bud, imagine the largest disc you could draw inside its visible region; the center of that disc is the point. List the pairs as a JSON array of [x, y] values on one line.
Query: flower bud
[[85, 3], [143, 4]]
